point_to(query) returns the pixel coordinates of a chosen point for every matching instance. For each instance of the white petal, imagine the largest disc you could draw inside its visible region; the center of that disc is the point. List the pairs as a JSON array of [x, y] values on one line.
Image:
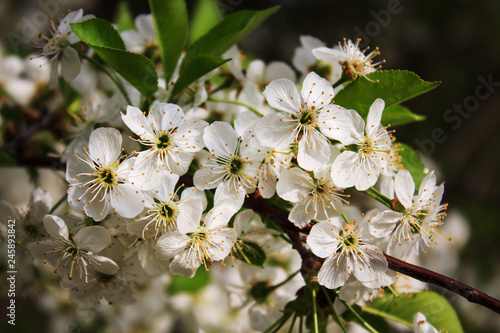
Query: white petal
[[193, 193], [302, 213], [277, 130], [332, 275], [279, 70], [255, 71], [165, 188], [302, 59], [127, 200], [316, 91], [46, 250], [322, 239], [358, 124], [314, 151], [244, 123], [343, 169], [282, 94], [427, 187], [189, 216], [185, 264], [242, 220], [40, 203], [310, 42], [220, 138], [220, 214], [56, 227], [230, 191], [209, 176], [167, 114], [294, 184], [145, 25], [384, 223], [134, 42], [148, 259], [77, 171], [105, 145], [220, 243], [329, 55], [70, 63], [93, 238], [189, 135], [368, 267], [336, 122], [171, 244], [136, 121], [375, 114], [105, 265], [404, 188], [98, 208], [421, 325]]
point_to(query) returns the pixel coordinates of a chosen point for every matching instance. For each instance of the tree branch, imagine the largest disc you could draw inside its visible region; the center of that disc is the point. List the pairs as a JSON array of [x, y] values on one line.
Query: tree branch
[[259, 205], [471, 294]]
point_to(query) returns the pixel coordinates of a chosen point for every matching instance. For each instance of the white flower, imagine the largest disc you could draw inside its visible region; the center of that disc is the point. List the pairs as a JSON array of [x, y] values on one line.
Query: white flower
[[31, 221], [114, 288], [58, 47], [348, 251], [315, 198], [249, 230], [163, 207], [198, 241], [172, 140], [421, 325], [145, 36], [258, 75], [12, 81], [273, 163], [366, 151], [303, 113], [233, 167], [73, 256], [392, 166], [414, 224], [354, 61], [354, 291], [98, 180], [305, 61]]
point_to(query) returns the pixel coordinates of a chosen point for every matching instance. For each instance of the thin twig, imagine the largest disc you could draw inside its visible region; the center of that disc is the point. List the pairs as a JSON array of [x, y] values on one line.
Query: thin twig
[[469, 293]]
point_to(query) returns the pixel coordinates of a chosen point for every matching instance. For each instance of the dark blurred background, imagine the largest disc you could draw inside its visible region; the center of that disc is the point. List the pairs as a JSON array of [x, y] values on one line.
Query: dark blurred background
[[456, 42]]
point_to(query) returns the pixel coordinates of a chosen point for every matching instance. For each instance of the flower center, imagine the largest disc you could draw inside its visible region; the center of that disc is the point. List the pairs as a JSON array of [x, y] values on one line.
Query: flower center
[[167, 212], [105, 175], [163, 141], [307, 117], [234, 167]]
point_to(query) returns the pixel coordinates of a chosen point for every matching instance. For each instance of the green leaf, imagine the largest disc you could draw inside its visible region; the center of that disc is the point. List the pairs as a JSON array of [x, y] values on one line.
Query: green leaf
[[226, 34], [250, 253], [181, 284], [98, 32], [196, 68], [138, 70], [412, 163], [393, 86], [171, 25], [398, 115], [6, 160], [123, 18], [206, 16], [435, 308]]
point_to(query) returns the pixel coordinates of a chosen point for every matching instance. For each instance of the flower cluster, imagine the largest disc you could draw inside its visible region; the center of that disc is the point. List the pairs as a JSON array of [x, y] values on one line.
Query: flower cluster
[[167, 189]]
